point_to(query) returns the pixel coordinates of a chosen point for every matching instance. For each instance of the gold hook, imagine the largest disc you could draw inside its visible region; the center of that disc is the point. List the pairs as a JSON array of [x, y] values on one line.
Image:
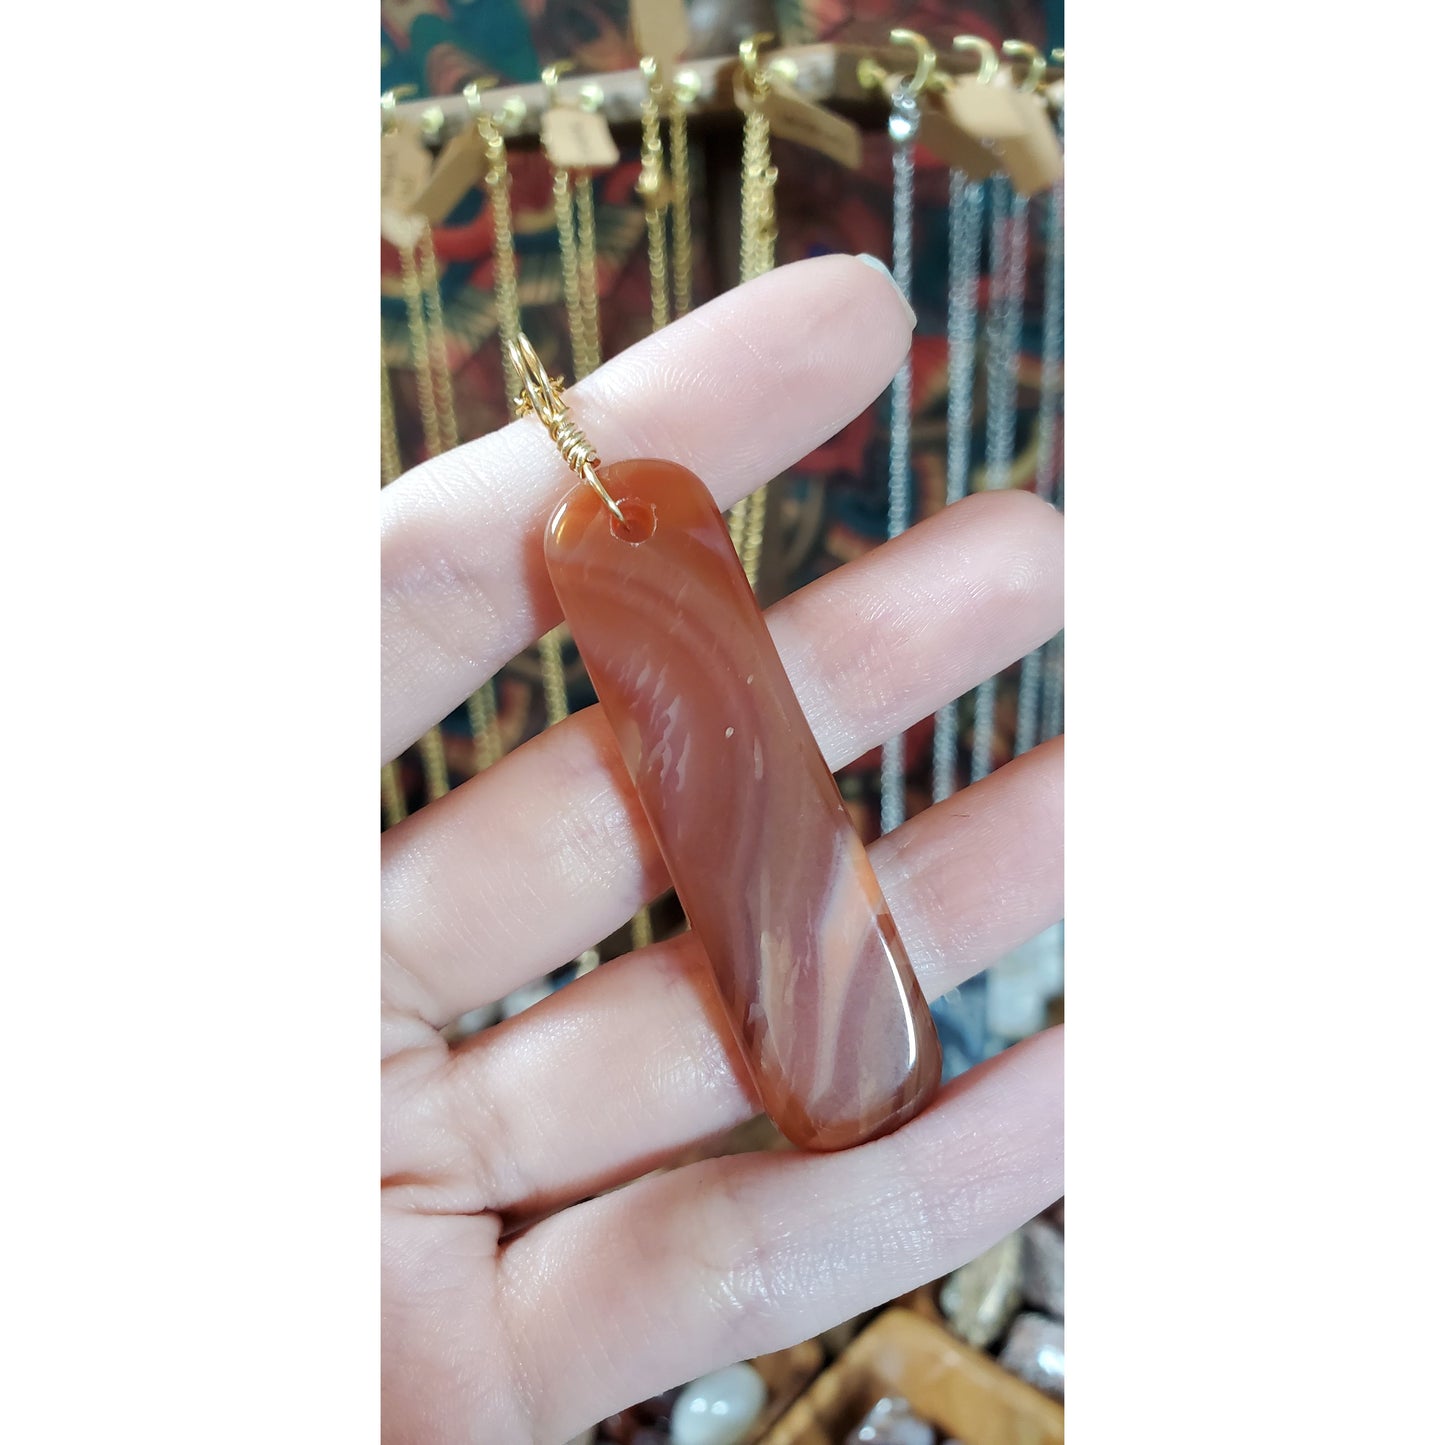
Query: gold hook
[[549, 79], [1057, 56], [648, 66], [871, 75], [748, 54], [542, 398], [472, 94], [927, 58], [987, 55], [388, 106], [1022, 50]]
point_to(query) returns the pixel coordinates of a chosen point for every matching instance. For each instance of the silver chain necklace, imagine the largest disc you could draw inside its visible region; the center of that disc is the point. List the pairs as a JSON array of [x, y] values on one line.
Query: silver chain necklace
[[965, 244], [903, 121], [1034, 709], [1008, 257]]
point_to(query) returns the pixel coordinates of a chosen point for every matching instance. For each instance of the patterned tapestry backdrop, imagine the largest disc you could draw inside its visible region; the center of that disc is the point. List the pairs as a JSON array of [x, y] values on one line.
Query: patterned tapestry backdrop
[[836, 498]]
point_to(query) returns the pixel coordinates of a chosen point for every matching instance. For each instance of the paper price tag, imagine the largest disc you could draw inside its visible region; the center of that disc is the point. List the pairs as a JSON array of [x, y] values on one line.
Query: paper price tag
[[940, 133], [660, 29], [578, 139], [405, 167], [986, 112], [1033, 160], [796, 119], [458, 169], [403, 231]]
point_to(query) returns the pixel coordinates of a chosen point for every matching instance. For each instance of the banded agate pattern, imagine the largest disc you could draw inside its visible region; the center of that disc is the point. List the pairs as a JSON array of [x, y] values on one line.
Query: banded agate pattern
[[776, 884]]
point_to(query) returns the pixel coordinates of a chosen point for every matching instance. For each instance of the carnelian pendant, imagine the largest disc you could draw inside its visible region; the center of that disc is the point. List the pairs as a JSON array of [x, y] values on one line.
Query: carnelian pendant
[[776, 884]]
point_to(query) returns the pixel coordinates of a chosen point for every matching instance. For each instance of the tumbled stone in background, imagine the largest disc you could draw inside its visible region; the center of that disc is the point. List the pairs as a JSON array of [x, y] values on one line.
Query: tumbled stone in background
[[719, 1409], [892, 1422], [979, 1300], [1043, 1267], [1035, 1353]]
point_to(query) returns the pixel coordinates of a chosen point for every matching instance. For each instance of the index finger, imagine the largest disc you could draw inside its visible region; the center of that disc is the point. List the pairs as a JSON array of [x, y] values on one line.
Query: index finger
[[736, 391]]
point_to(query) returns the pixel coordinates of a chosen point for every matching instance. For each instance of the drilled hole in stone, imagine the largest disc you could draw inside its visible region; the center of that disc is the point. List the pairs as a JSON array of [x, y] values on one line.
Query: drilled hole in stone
[[639, 521]]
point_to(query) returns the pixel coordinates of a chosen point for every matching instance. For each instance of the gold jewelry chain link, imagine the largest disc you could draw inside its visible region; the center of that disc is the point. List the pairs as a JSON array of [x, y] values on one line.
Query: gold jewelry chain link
[[759, 235], [653, 190], [423, 357], [393, 799], [681, 206]]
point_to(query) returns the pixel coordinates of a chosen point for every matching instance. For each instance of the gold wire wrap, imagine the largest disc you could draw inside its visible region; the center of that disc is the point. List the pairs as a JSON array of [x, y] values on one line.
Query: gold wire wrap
[[542, 398]]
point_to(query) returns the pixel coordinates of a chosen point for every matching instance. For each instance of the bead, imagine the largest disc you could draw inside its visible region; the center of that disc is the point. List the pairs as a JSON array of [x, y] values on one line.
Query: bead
[[719, 1409], [980, 1299], [892, 1422], [776, 884]]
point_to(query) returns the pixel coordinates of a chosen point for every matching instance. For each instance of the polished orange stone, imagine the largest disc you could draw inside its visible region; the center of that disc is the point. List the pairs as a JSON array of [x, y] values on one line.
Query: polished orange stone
[[777, 885]]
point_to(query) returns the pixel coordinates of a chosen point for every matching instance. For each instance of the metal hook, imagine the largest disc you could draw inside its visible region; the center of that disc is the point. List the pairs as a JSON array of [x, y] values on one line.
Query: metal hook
[[927, 58], [512, 113], [748, 54], [388, 106], [1057, 56], [648, 66], [987, 55], [549, 79], [1022, 50]]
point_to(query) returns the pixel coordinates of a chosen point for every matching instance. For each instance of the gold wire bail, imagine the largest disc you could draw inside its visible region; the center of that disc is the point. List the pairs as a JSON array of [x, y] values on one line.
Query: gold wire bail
[[927, 58], [1022, 50], [542, 396], [987, 55]]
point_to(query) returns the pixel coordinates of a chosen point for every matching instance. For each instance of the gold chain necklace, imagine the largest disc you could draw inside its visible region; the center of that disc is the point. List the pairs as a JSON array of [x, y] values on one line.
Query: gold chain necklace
[[393, 799], [432, 384], [652, 187], [759, 235], [681, 202]]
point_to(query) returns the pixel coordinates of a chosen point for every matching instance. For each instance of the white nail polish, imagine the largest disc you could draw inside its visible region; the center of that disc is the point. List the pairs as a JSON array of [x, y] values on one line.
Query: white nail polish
[[883, 270]]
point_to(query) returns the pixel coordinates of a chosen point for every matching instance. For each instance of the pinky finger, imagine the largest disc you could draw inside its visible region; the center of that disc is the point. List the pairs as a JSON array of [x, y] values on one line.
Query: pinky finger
[[740, 1256]]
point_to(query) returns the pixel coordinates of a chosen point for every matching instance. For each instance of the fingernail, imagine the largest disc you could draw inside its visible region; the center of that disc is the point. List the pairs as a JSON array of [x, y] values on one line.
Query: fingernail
[[883, 270]]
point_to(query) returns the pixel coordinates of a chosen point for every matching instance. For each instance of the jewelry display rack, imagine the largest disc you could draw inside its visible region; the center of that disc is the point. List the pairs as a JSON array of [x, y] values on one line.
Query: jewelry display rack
[[824, 73], [877, 90]]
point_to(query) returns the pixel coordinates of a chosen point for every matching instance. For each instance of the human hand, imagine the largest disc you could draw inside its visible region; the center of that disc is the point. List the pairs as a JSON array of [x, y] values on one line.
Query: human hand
[[608, 1301]]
